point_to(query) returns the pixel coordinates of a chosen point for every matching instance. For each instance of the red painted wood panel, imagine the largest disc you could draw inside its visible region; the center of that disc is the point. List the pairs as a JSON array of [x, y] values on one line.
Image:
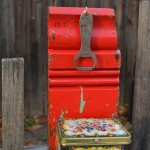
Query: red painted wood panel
[[66, 102], [76, 73], [64, 31], [81, 102], [84, 94], [63, 59], [73, 11], [84, 81]]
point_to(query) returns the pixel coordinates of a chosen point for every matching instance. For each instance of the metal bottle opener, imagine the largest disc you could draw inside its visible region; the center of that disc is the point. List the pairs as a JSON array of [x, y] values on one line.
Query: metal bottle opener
[[86, 24]]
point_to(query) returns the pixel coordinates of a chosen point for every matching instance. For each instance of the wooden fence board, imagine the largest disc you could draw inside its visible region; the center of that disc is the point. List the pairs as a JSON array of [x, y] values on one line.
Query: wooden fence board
[[120, 7], [1, 47], [141, 115], [13, 104], [107, 3], [25, 35], [38, 58], [131, 53]]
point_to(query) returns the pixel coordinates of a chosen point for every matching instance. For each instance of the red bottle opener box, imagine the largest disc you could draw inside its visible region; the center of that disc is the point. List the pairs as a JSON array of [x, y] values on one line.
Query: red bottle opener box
[[75, 93]]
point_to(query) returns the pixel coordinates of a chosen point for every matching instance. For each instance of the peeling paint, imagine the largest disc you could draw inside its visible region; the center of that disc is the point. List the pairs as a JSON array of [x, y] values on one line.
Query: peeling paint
[[113, 114], [117, 55], [53, 34], [49, 40], [119, 66], [51, 106], [66, 35], [50, 58], [117, 104], [53, 133], [82, 102], [62, 114], [66, 111], [95, 13]]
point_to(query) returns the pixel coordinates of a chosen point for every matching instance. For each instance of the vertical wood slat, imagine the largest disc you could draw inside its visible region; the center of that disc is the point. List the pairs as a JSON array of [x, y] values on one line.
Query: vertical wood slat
[[25, 35], [13, 104], [141, 115], [131, 52], [93, 3], [38, 58], [121, 31], [107, 4], [1, 47], [72, 3]]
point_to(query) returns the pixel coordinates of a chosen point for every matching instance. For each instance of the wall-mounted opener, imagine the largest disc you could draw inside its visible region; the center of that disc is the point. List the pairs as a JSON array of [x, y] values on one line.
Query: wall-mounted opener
[[86, 24]]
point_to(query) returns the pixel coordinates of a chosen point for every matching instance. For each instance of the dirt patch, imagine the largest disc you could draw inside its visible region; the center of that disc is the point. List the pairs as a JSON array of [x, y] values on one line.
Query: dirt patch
[[35, 132]]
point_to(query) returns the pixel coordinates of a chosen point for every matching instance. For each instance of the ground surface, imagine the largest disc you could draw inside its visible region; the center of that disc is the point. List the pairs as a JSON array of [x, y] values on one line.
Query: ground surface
[[35, 132]]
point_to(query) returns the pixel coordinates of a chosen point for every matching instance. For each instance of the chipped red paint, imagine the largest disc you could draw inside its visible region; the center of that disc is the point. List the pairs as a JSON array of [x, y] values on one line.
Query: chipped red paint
[[64, 31], [76, 73], [117, 55], [72, 93], [63, 59], [100, 102]]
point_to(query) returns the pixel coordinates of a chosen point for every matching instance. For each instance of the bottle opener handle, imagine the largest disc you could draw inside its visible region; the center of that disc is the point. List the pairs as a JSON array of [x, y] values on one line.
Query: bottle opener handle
[[86, 24]]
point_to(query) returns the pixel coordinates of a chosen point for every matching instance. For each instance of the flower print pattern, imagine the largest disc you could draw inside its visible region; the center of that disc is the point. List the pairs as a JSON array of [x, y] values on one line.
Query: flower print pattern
[[99, 148], [92, 127]]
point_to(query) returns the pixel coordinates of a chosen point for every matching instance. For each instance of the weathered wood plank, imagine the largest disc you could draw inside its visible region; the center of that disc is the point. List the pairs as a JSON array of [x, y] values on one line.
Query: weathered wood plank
[[1, 47], [71, 3], [107, 3], [24, 34], [13, 104], [119, 6], [93, 3], [38, 58], [133, 6], [141, 115], [78, 3]]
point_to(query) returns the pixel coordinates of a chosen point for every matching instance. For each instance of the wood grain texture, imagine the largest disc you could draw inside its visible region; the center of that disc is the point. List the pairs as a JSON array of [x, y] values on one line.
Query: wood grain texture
[[24, 34], [13, 104], [121, 25], [132, 23], [93, 3], [1, 48], [141, 115], [107, 3]]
